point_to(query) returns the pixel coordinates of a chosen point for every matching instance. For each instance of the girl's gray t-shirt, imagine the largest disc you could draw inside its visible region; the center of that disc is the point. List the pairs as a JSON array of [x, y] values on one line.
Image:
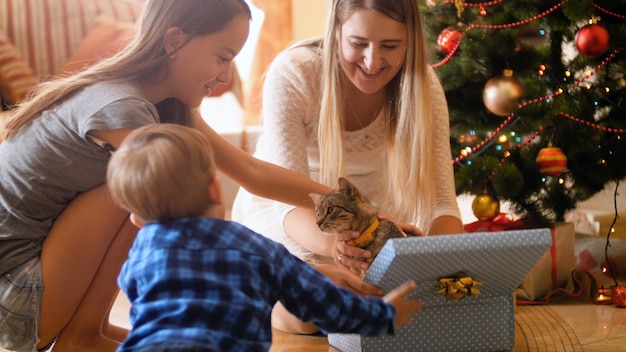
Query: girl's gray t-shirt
[[51, 160]]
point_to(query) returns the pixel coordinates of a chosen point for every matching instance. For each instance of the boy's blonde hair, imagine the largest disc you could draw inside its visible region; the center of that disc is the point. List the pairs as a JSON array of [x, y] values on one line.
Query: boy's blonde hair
[[162, 172]]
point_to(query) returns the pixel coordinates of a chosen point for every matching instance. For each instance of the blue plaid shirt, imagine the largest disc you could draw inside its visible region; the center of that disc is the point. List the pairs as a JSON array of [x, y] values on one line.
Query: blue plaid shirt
[[213, 283]]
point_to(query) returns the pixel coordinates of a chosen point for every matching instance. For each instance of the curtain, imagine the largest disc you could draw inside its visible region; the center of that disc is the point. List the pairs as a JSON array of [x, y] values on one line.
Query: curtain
[[275, 35]]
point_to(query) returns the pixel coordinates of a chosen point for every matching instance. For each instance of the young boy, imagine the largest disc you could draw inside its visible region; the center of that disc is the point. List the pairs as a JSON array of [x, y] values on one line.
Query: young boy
[[197, 282]]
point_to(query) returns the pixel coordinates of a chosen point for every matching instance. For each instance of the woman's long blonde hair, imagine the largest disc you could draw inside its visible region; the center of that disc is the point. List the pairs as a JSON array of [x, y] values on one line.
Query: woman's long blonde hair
[[144, 59], [409, 113]]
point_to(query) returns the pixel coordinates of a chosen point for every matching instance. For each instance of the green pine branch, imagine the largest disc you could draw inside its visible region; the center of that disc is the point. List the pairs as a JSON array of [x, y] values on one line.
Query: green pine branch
[[507, 169]]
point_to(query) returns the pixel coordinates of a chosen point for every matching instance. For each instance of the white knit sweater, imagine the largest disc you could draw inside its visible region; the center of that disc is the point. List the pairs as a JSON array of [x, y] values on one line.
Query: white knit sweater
[[291, 101]]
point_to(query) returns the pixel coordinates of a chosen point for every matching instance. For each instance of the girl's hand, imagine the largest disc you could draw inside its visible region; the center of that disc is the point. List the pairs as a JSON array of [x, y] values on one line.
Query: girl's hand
[[346, 279]]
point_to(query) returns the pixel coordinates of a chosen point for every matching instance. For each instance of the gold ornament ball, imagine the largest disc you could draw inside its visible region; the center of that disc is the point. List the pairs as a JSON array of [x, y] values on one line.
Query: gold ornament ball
[[485, 207], [501, 93]]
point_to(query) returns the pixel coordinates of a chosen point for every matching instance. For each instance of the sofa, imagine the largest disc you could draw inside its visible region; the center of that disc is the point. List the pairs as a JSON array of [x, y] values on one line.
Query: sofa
[[41, 38]]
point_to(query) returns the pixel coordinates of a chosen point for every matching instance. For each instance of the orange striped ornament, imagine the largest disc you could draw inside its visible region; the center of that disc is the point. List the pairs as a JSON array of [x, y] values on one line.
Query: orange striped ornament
[[551, 161]]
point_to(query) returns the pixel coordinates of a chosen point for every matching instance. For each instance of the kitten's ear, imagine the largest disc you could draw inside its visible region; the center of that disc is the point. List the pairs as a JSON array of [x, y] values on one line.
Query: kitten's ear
[[348, 188], [315, 197]]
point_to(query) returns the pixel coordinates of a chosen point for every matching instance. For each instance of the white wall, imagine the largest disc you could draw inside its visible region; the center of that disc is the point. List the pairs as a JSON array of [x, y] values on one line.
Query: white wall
[[224, 114], [309, 18]]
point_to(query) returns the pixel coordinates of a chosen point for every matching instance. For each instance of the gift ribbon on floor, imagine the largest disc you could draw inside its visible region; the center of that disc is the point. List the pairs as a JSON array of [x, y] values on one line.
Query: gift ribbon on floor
[[582, 283]]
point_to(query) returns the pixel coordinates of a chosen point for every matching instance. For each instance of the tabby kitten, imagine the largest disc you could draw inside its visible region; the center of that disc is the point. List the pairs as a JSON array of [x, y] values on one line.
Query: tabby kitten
[[347, 209]]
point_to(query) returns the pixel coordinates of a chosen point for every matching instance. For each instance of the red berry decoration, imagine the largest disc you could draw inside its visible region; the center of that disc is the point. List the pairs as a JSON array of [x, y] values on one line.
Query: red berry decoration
[[449, 39], [592, 40], [551, 161]]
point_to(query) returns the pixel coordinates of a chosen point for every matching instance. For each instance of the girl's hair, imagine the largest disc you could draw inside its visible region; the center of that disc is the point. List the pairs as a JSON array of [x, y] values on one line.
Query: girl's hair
[[143, 59], [409, 113], [162, 172]]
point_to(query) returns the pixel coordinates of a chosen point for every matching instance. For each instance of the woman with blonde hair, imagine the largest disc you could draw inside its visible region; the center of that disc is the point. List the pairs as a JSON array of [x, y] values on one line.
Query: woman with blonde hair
[[363, 103], [62, 240]]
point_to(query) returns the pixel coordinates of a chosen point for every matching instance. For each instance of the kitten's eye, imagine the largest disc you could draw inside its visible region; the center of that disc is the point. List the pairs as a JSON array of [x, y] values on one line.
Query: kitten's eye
[[330, 210]]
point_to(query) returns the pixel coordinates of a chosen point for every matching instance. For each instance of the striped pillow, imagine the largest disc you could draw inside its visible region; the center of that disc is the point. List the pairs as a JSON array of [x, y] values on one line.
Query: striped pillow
[[105, 39], [16, 76]]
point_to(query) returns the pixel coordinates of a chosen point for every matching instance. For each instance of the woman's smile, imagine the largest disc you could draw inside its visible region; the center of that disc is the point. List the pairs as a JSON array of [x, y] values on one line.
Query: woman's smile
[[372, 49]]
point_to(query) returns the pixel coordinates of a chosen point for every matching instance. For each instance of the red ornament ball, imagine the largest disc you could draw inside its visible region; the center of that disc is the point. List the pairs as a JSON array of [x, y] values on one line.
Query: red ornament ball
[[619, 296], [448, 39], [433, 3], [551, 161], [592, 40]]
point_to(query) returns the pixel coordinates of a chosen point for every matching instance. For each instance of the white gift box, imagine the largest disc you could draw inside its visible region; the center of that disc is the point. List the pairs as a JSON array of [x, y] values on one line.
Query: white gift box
[[496, 263]]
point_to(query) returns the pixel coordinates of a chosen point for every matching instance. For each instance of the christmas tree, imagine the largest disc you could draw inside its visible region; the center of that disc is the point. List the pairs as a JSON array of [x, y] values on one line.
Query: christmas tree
[[537, 99]]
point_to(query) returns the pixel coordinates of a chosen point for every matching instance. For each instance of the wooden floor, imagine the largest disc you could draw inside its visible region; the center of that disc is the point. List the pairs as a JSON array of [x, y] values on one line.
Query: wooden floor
[[282, 342], [566, 324]]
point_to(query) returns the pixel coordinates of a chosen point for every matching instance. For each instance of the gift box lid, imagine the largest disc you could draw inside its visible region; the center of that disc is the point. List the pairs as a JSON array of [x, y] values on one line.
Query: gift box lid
[[496, 263]]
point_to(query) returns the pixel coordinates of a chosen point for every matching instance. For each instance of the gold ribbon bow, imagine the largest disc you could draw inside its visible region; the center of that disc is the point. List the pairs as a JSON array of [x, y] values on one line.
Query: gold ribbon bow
[[460, 7], [458, 287]]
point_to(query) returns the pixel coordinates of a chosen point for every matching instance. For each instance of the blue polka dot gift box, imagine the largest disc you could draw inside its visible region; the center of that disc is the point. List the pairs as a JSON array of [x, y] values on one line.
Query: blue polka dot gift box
[[466, 284]]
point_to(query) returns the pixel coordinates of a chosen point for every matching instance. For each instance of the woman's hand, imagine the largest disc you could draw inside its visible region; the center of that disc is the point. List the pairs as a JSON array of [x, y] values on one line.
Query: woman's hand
[[346, 279], [408, 229], [352, 257]]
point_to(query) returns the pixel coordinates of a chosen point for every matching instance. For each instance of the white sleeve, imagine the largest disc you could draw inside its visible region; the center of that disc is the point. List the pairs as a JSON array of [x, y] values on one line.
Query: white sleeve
[[446, 200], [290, 106]]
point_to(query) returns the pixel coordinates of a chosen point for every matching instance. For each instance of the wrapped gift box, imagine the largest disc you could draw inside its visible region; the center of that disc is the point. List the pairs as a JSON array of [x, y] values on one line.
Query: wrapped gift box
[[554, 268], [484, 320]]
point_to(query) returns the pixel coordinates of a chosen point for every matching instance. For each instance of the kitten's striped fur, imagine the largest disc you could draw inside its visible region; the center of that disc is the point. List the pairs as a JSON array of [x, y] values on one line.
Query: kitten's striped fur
[[347, 209]]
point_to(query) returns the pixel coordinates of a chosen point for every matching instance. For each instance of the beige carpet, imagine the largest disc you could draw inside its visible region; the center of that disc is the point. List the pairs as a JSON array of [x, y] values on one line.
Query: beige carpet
[[539, 328]]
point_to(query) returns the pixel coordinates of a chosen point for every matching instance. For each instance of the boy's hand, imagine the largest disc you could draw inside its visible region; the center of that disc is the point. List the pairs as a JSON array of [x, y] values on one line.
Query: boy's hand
[[404, 308]]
